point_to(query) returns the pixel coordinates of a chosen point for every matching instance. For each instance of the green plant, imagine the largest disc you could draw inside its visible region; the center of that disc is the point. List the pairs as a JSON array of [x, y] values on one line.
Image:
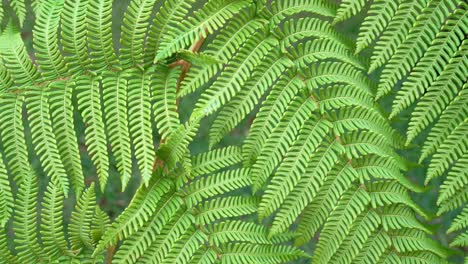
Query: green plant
[[319, 167]]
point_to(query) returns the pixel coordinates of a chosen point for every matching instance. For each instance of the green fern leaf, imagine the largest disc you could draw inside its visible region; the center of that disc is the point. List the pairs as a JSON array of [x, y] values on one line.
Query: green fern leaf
[[99, 34], [376, 21], [139, 116], [134, 28], [421, 35], [236, 74], [20, 10], [282, 9], [425, 71], [61, 111], [216, 184], [13, 137], [48, 56], [211, 161], [281, 138], [225, 207], [273, 108], [6, 194], [169, 14], [44, 140], [89, 104], [140, 209], [396, 32], [223, 46], [16, 58], [247, 98], [25, 221], [164, 89], [52, 223], [115, 87], [349, 8], [339, 223], [73, 34], [80, 221], [205, 21]]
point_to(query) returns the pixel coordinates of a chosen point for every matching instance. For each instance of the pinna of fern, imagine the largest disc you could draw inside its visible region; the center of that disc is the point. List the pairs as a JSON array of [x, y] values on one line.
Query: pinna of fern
[[428, 54], [320, 151]]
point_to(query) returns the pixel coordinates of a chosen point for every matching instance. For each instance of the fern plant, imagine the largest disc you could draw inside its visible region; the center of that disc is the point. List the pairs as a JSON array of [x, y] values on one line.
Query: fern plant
[[319, 176]]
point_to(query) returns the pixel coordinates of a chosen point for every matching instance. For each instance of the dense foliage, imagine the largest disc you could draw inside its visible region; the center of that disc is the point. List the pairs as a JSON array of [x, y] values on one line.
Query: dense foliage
[[319, 176]]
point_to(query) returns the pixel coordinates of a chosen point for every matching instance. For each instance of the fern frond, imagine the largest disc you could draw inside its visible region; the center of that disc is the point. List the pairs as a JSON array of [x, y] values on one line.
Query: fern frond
[[323, 182], [45, 42], [339, 96], [158, 251], [139, 116], [427, 68], [61, 112], [80, 220], [330, 72], [379, 16], [136, 244], [52, 233], [248, 253], [99, 34], [396, 32], [273, 108], [13, 135], [374, 248], [408, 240], [397, 217], [114, 86], [164, 89], [6, 195], [100, 223], [169, 14], [73, 34], [16, 58], [236, 73], [44, 140], [205, 21], [440, 93], [226, 43], [451, 117], [451, 149], [89, 104], [325, 194], [281, 9], [225, 207], [140, 209], [457, 179], [176, 146], [211, 161], [185, 248], [19, 8], [240, 231], [236, 109], [349, 8], [134, 27], [339, 223], [419, 38], [295, 30], [361, 230], [294, 165], [213, 185], [25, 221], [281, 138], [384, 193], [310, 52]]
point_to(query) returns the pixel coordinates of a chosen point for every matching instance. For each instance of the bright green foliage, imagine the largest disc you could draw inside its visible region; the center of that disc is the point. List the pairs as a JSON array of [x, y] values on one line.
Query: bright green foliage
[[428, 53], [319, 176]]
